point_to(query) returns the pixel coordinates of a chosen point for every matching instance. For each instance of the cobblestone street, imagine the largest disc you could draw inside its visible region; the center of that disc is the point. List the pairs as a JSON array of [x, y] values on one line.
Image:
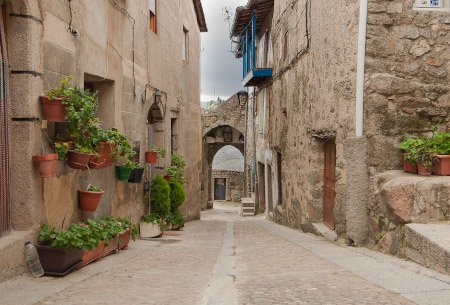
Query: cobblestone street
[[226, 259]]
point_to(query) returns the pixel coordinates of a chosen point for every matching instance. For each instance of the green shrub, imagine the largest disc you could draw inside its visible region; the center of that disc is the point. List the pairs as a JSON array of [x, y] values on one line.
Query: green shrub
[[177, 195], [160, 196], [175, 217]]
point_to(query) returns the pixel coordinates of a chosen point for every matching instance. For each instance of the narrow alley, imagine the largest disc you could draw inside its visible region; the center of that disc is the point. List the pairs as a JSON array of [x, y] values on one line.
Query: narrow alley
[[227, 259]]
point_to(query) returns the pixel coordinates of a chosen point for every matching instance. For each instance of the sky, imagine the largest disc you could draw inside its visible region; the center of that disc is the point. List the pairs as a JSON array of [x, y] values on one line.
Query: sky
[[221, 71]]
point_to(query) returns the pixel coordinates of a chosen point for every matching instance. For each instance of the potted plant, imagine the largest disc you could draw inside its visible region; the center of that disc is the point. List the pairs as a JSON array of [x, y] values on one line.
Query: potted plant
[[440, 145], [62, 149], [123, 171], [46, 164], [409, 154], [53, 108], [136, 174], [111, 230], [90, 198], [176, 170], [154, 153], [177, 197], [106, 144], [151, 225], [175, 219], [60, 251], [128, 230]]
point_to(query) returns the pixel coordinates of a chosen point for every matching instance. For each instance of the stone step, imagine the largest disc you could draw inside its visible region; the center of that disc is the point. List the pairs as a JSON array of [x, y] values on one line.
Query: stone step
[[322, 230], [429, 245]]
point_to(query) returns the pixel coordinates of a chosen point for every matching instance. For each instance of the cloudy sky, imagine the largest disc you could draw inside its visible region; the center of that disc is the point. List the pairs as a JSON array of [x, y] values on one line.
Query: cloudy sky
[[221, 72]]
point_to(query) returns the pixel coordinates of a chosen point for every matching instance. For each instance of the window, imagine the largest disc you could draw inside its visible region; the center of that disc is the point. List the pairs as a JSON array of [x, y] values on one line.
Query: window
[[227, 134], [262, 111], [285, 45], [152, 10], [173, 135], [185, 45]]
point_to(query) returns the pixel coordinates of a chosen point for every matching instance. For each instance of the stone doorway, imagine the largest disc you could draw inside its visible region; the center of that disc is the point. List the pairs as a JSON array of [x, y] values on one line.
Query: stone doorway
[[220, 186]]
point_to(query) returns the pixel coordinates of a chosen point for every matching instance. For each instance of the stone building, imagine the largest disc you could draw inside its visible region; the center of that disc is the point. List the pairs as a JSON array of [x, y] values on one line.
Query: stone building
[[334, 86], [228, 185], [143, 57]]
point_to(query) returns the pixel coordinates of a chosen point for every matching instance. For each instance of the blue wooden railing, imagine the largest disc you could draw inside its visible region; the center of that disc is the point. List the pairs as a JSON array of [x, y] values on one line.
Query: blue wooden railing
[[249, 47]]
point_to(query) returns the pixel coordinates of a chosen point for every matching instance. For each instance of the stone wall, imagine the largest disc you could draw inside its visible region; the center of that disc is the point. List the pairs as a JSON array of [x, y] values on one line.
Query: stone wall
[[234, 184], [115, 52]]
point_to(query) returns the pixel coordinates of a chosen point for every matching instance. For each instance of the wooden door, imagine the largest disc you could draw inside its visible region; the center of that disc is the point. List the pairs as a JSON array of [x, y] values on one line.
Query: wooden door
[[329, 183], [219, 188]]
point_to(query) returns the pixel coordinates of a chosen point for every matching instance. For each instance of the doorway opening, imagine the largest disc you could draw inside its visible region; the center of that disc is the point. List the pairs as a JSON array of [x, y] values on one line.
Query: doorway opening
[[220, 188], [261, 195], [269, 189], [329, 183]]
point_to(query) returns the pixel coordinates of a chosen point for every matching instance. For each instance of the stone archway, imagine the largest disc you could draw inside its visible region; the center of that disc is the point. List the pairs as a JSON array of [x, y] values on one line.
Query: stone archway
[[217, 124]]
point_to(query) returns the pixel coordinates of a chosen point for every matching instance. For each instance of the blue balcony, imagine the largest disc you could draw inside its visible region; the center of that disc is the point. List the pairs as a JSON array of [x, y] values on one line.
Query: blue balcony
[[254, 73]]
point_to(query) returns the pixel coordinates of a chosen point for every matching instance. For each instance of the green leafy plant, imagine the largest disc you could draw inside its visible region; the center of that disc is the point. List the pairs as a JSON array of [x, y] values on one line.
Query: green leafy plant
[[125, 223], [160, 196], [92, 188], [159, 150], [153, 218], [176, 169], [175, 217], [60, 91], [121, 147], [76, 236], [177, 195], [439, 143], [62, 149]]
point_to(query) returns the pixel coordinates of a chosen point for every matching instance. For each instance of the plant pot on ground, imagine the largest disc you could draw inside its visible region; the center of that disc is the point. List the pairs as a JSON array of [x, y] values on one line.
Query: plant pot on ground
[[409, 167], [423, 170], [58, 261], [46, 164], [124, 238], [151, 225], [442, 165], [136, 175], [91, 255], [89, 199], [111, 246]]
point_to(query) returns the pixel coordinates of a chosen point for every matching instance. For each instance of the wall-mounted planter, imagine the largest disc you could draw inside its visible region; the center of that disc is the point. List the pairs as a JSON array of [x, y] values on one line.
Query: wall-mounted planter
[[147, 229], [124, 239], [123, 173], [78, 160], [92, 255], [136, 175], [151, 157], [89, 200], [409, 167], [53, 110], [167, 177], [423, 171], [442, 165], [104, 158], [58, 261], [46, 164]]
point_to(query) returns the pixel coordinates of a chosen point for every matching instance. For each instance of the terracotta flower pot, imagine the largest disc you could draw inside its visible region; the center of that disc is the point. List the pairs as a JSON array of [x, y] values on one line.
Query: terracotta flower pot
[[151, 157], [423, 171], [442, 165], [167, 177], [89, 200], [409, 167], [78, 160], [53, 110], [111, 247], [124, 239], [92, 255], [104, 158], [46, 164]]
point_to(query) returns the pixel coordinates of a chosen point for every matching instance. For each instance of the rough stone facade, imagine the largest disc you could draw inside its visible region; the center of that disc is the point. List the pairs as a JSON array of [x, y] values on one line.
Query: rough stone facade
[[229, 113], [234, 184], [115, 52], [310, 101]]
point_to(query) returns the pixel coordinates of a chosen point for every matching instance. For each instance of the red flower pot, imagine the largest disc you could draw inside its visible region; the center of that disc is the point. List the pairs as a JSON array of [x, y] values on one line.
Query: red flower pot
[[78, 160], [104, 157], [89, 200], [151, 157], [167, 177], [91, 255], [423, 171], [46, 164], [409, 167], [111, 247], [442, 165], [53, 110], [124, 238]]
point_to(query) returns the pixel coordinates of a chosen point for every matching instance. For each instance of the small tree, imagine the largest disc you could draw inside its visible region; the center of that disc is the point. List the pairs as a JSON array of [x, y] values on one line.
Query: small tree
[[160, 196], [177, 195]]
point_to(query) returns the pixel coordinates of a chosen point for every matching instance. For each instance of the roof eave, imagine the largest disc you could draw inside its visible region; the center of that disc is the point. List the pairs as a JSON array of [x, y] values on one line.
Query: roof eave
[[200, 15]]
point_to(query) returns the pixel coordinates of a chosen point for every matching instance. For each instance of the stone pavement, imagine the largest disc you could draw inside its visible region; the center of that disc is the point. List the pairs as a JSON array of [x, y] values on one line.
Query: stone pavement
[[226, 259]]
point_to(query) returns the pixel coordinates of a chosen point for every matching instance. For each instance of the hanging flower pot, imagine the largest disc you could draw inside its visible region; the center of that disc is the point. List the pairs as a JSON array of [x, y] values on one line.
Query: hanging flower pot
[[442, 165], [136, 175], [151, 157], [78, 160], [89, 200], [167, 177], [53, 110], [104, 156], [123, 172], [423, 171], [409, 167], [46, 164]]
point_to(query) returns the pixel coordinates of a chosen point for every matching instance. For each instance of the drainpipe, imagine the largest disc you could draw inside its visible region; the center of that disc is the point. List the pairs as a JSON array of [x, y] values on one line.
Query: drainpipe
[[359, 117], [245, 148]]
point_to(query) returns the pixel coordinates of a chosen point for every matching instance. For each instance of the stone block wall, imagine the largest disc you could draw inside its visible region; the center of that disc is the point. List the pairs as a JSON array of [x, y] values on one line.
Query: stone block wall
[[234, 184], [407, 77]]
